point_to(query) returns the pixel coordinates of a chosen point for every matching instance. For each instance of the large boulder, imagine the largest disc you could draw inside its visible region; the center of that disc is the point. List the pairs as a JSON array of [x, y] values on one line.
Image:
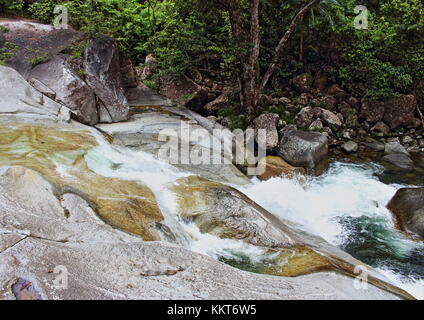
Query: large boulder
[[34, 39], [303, 149], [372, 112], [400, 111], [400, 160], [395, 147], [69, 89], [269, 123], [103, 75], [381, 128], [20, 100], [408, 207], [350, 147]]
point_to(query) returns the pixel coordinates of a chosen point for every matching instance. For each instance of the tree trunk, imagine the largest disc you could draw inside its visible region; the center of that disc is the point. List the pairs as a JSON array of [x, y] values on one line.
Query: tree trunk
[[284, 41], [248, 45], [302, 42], [248, 53]]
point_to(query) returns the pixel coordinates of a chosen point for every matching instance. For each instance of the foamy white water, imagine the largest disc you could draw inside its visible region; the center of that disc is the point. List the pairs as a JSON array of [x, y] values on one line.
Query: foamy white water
[[346, 190]]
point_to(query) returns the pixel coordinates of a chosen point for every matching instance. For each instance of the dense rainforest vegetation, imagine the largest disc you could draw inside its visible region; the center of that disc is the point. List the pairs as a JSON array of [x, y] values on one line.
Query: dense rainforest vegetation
[[258, 43]]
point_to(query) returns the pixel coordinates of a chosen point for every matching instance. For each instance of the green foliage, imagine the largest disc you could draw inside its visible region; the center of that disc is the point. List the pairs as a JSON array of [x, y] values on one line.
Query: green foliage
[[234, 120], [78, 49], [38, 57], [7, 52], [386, 59], [42, 10], [378, 63], [12, 6]]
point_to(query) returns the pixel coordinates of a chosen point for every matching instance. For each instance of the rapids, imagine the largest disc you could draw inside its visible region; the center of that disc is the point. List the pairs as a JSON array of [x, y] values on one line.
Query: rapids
[[346, 206]]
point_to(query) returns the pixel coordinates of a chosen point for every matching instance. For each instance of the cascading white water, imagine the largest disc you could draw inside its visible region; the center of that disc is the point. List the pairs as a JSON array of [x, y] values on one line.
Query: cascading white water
[[335, 206], [347, 201]]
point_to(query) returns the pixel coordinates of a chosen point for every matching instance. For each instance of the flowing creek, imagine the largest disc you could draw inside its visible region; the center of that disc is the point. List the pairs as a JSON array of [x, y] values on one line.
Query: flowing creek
[[346, 206]]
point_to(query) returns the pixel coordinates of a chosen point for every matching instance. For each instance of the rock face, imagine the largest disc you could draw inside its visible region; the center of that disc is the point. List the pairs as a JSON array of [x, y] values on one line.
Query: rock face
[[69, 89], [268, 122], [395, 112], [137, 270], [408, 207], [34, 39], [400, 111], [59, 153], [103, 75], [20, 100], [330, 118], [277, 167], [303, 149]]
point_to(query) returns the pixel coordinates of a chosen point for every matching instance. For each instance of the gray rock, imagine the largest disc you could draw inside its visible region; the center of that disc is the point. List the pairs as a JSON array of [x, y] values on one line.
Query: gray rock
[[70, 90], [330, 118], [329, 101], [20, 100], [408, 207], [306, 116], [400, 160], [350, 147], [376, 146], [317, 125], [150, 66], [395, 147], [382, 128], [408, 140], [41, 87], [268, 122], [303, 149], [148, 271], [103, 75]]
